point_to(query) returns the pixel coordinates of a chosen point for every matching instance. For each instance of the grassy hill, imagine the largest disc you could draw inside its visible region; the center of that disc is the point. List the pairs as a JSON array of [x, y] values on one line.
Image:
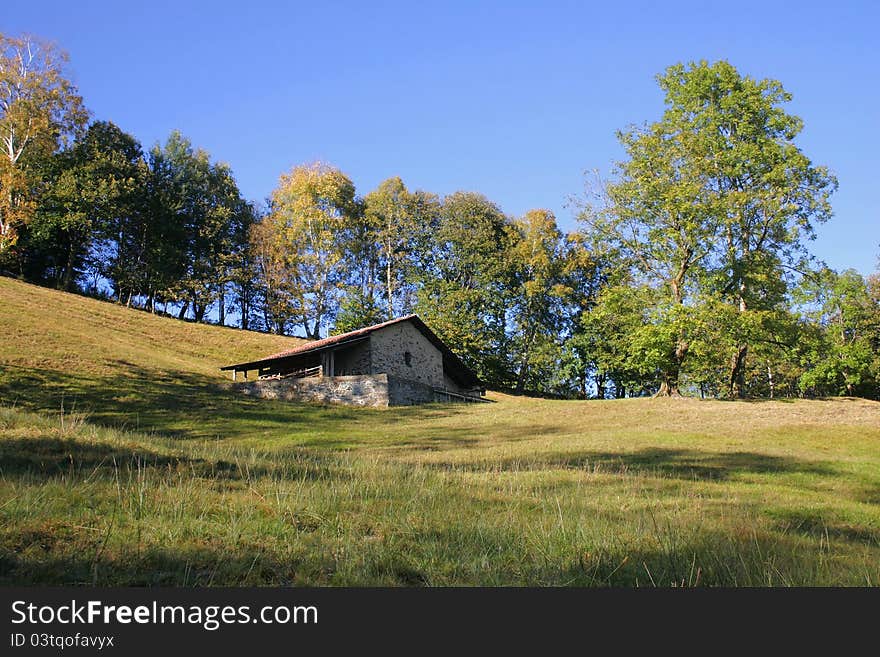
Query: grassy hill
[[126, 458]]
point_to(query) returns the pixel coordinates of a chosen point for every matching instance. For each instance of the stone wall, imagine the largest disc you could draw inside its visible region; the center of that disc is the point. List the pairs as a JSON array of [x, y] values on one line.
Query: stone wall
[[388, 350], [405, 392], [376, 390], [353, 360], [363, 390]]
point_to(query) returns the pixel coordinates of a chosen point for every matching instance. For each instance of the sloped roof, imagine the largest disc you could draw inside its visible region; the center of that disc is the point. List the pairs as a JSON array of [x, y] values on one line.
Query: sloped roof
[[451, 363]]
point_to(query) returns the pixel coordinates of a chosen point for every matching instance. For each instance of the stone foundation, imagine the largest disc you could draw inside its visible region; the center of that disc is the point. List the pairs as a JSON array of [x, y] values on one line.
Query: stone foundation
[[404, 392], [356, 390], [376, 390]]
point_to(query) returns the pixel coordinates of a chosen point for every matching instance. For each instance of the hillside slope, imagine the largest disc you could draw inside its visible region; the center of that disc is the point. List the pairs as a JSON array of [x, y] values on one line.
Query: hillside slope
[[120, 365], [55, 330], [126, 458]]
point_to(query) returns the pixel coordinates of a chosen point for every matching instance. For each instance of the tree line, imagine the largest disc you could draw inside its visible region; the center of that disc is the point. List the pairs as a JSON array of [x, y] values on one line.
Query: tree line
[[688, 272]]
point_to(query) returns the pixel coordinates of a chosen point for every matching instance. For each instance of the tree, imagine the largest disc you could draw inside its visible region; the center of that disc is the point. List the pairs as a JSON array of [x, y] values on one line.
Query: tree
[[40, 113], [241, 266], [584, 275], [395, 217], [199, 201], [91, 190], [715, 197], [275, 281], [304, 240], [538, 254], [657, 223], [844, 358], [766, 194], [465, 280], [356, 310]]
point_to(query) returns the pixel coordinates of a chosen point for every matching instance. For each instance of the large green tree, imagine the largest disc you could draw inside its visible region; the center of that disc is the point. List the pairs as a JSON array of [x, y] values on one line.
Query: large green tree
[[92, 193], [715, 198], [465, 283], [766, 193], [656, 223]]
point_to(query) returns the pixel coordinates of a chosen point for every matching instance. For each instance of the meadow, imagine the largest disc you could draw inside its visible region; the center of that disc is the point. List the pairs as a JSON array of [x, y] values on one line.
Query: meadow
[[127, 459]]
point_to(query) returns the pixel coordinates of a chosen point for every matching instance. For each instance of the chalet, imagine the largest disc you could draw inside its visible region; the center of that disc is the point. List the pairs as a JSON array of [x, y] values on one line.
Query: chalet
[[396, 363]]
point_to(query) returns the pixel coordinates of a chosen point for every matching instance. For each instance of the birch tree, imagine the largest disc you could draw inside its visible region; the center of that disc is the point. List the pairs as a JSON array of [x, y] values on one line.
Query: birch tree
[[311, 210], [40, 112], [387, 211], [539, 255]]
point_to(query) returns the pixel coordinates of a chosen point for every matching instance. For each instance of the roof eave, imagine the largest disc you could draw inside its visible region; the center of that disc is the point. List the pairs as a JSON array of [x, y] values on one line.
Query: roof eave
[[256, 364]]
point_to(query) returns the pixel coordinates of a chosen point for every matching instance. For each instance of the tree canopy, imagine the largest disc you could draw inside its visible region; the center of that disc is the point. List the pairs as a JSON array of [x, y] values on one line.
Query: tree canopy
[[715, 204]]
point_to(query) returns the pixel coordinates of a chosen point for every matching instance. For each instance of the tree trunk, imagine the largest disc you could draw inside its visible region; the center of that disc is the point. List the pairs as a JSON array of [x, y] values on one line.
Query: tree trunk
[[669, 381], [389, 288], [524, 362], [737, 382], [67, 280], [183, 310], [245, 310], [669, 385], [600, 386], [738, 372], [221, 312], [313, 333]]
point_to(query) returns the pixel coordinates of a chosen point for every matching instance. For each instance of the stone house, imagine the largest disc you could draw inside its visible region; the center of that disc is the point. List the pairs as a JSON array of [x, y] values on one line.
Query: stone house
[[396, 363]]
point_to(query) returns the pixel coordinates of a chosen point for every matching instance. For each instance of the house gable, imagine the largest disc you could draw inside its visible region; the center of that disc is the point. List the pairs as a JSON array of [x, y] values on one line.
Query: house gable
[[389, 347]]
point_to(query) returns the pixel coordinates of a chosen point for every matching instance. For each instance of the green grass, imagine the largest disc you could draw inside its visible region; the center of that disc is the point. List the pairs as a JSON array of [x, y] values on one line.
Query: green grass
[[158, 472]]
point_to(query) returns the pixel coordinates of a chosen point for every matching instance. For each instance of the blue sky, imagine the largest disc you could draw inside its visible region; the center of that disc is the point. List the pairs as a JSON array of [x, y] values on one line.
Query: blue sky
[[514, 100]]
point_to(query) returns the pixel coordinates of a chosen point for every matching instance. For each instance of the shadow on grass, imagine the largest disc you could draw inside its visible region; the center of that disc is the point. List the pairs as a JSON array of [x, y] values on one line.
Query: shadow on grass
[[817, 525], [674, 463], [432, 439], [57, 456], [46, 458], [758, 400], [870, 495], [36, 562], [448, 556], [185, 405]]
